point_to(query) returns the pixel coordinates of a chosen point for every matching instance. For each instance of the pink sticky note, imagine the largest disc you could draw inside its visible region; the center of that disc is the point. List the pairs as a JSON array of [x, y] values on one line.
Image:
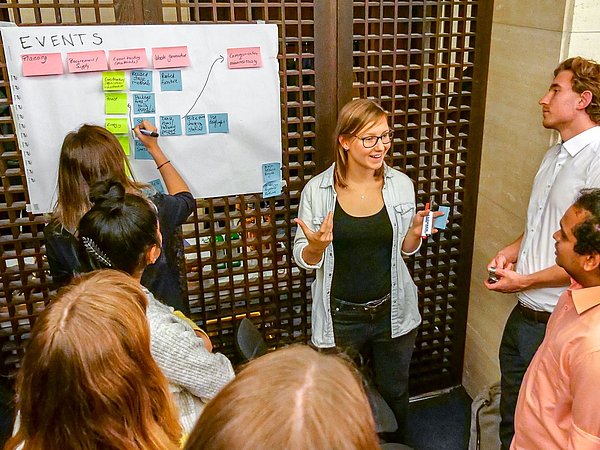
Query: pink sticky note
[[134, 58], [243, 58], [165, 57], [94, 61], [42, 64]]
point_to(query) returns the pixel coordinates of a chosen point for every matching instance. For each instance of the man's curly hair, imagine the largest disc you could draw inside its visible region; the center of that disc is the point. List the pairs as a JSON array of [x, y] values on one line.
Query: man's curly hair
[[586, 77], [587, 232]]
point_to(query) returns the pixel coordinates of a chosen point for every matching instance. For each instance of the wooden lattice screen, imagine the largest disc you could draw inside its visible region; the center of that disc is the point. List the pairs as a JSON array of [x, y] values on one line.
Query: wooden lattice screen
[[418, 58]]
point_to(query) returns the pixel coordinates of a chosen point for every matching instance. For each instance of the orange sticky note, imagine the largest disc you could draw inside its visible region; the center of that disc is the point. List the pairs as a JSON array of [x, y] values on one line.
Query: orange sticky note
[[134, 58], [165, 57], [42, 64], [94, 61], [243, 58]]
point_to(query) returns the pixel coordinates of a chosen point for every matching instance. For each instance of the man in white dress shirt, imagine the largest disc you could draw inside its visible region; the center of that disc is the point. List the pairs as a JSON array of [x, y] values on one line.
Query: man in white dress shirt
[[527, 266]]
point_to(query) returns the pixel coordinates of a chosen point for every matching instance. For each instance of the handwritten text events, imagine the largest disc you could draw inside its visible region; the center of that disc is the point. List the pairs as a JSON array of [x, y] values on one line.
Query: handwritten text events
[[94, 61], [170, 80], [243, 58], [144, 104], [140, 80], [42, 64], [113, 81], [168, 57], [195, 124]]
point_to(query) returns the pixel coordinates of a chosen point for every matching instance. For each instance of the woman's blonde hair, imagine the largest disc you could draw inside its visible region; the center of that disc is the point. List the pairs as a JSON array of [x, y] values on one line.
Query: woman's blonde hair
[[294, 398], [88, 379], [89, 155], [354, 117]]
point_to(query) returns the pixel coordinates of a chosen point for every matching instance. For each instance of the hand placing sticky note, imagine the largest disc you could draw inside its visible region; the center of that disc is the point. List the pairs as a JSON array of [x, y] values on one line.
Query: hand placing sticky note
[[115, 103], [116, 125], [113, 81]]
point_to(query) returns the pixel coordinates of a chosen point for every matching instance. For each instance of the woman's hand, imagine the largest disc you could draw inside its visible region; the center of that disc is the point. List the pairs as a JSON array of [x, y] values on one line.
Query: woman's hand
[[150, 142], [318, 240]]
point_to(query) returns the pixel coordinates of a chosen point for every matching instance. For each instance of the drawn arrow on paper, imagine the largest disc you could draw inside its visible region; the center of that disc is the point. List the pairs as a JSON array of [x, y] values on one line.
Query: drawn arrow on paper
[[219, 59]]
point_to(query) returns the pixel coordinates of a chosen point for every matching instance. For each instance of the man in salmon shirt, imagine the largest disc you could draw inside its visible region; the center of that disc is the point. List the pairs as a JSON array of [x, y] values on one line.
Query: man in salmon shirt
[[557, 408]]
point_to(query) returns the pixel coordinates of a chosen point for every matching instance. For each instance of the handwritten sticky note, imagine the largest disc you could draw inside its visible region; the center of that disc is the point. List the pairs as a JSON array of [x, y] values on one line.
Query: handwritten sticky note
[[131, 58], [141, 152], [143, 104], [124, 141], [243, 58], [113, 81], [92, 61], [116, 125], [165, 57], [440, 221], [195, 124], [272, 189], [138, 120], [140, 80], [156, 184], [115, 103], [170, 125], [42, 64], [218, 123], [271, 171], [170, 80]]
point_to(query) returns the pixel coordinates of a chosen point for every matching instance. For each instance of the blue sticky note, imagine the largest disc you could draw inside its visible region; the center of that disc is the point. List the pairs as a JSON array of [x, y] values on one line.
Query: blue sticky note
[[141, 80], [440, 221], [218, 123], [195, 124], [170, 125], [156, 184], [141, 152], [271, 171], [144, 104], [272, 189], [170, 80]]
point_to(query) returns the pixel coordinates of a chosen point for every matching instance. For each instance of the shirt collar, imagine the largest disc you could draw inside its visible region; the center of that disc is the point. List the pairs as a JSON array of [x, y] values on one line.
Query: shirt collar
[[584, 298], [582, 140]]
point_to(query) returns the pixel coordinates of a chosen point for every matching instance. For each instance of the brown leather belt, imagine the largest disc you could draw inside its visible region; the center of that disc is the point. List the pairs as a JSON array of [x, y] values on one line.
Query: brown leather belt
[[532, 314]]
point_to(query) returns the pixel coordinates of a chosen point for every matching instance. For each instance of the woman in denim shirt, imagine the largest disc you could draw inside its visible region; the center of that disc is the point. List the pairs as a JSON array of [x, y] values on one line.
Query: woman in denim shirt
[[363, 212]]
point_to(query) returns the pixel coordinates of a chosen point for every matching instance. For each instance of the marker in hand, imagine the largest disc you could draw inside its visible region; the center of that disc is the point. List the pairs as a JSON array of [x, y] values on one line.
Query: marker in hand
[[148, 132], [427, 223]]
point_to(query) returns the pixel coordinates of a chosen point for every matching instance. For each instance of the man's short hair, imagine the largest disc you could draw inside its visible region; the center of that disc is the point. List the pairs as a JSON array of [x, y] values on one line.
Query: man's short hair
[[587, 232], [586, 77]]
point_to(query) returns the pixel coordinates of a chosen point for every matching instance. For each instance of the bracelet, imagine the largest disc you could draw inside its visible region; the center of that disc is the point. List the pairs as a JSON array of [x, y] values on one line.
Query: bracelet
[[166, 162]]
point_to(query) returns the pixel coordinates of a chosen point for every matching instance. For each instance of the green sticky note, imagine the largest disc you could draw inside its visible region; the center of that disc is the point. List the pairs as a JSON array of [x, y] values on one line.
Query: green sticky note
[[127, 172], [113, 81], [124, 141], [117, 125], [115, 103]]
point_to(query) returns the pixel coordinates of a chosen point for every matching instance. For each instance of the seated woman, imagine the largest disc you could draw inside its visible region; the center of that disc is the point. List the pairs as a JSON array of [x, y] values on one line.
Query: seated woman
[[121, 231], [91, 155], [88, 379], [294, 398]]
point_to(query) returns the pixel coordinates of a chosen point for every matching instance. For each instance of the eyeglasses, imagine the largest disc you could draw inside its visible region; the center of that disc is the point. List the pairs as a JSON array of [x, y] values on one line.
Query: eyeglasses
[[371, 141]]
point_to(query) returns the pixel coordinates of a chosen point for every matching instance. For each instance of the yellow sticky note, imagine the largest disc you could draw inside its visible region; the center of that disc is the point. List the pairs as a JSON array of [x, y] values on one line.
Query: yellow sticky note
[[113, 81], [127, 172], [124, 141], [115, 103], [117, 125]]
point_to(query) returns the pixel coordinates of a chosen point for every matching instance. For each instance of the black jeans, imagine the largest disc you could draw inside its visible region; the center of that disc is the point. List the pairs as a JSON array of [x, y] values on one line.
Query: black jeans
[[368, 330], [520, 341]]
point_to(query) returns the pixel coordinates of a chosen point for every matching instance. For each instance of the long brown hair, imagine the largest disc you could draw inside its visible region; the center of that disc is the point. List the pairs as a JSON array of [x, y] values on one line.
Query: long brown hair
[[294, 398], [354, 117], [88, 379], [89, 155]]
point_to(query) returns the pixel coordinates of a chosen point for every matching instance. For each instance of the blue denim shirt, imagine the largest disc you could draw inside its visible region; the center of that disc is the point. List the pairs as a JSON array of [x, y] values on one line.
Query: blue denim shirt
[[317, 200]]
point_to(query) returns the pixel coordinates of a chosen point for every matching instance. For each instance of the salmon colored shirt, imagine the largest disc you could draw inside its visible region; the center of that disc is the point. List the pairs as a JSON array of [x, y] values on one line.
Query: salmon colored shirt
[[559, 400]]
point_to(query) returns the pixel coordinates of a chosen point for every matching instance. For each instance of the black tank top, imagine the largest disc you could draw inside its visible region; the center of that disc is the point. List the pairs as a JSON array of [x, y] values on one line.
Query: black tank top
[[362, 249]]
